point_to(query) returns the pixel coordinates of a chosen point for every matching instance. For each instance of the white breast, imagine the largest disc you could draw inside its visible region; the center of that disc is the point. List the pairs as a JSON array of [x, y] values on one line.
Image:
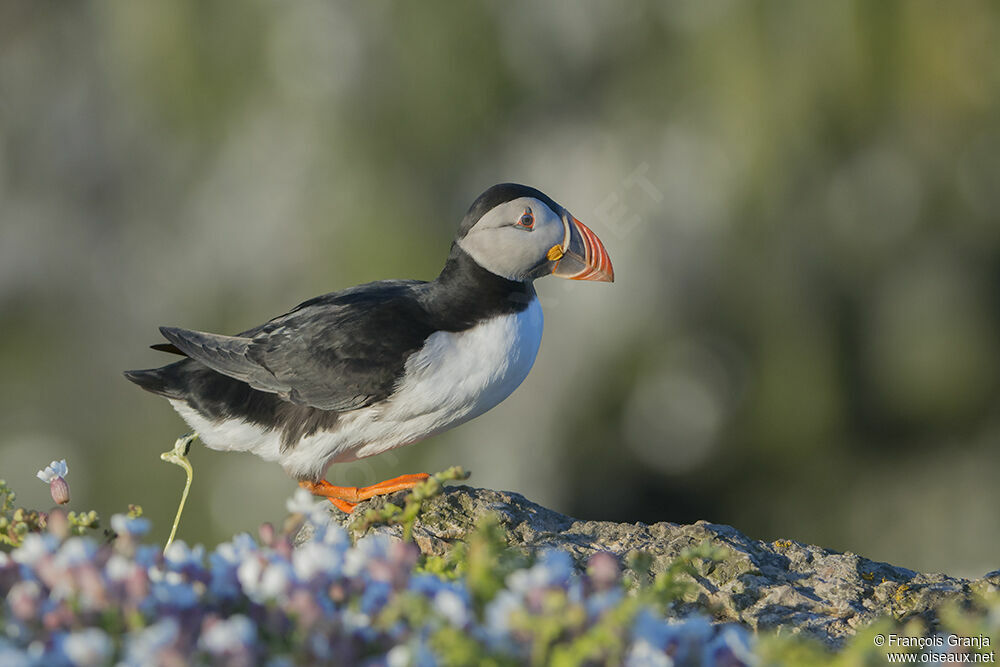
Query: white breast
[[455, 377]]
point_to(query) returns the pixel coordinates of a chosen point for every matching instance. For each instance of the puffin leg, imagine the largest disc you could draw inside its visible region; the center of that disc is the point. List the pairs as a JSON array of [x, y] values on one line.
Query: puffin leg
[[178, 456], [346, 497]]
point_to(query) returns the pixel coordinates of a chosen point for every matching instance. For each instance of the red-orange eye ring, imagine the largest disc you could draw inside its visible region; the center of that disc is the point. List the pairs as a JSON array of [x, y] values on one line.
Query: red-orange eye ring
[[527, 220]]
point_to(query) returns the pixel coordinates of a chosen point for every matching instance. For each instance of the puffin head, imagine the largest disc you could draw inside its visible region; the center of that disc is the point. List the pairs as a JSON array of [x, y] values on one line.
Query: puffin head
[[520, 233]]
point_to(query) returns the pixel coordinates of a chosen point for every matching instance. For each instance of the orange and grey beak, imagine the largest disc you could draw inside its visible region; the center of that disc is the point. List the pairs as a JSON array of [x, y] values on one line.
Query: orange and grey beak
[[581, 255]]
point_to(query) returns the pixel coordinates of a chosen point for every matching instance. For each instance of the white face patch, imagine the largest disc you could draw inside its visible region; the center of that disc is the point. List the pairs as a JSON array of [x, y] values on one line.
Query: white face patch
[[455, 377], [501, 246]]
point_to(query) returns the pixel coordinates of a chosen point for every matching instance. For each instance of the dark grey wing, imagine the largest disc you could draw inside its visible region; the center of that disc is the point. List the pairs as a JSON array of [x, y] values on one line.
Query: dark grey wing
[[339, 352], [224, 354]]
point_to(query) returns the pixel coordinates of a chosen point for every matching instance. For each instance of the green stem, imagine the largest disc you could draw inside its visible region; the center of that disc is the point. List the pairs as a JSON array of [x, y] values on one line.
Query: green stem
[[178, 456]]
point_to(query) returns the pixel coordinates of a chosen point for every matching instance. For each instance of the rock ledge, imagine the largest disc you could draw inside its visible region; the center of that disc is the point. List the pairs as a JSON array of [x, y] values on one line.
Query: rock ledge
[[782, 585]]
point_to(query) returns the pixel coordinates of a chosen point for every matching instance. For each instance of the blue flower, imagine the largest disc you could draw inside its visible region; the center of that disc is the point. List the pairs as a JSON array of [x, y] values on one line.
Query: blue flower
[[556, 567], [731, 646], [244, 544], [11, 656], [147, 555], [223, 563], [375, 595], [174, 593], [126, 525], [553, 568], [600, 602], [180, 557], [427, 584], [75, 551], [146, 646]]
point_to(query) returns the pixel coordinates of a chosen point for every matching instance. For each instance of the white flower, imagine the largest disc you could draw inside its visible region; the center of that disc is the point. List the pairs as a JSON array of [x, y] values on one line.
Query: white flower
[[355, 621], [316, 512], [75, 551], [336, 536], [451, 605], [231, 634], [276, 580], [88, 647], [53, 470], [263, 581], [248, 573], [368, 548], [24, 598], [498, 612], [399, 656], [119, 568], [304, 502], [34, 547], [644, 654], [314, 558]]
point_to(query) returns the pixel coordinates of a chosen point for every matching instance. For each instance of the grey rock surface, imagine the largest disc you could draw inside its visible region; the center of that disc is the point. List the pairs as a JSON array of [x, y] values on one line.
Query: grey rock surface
[[783, 585]]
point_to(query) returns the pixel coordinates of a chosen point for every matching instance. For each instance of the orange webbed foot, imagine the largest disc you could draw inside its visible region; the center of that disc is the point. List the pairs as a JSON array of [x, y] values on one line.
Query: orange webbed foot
[[345, 498], [343, 505]]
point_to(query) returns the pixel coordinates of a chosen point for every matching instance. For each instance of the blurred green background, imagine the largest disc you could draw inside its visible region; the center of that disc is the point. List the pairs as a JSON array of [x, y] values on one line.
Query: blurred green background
[[801, 201]]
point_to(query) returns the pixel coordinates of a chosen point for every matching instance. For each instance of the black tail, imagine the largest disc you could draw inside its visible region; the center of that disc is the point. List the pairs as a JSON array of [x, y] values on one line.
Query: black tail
[[154, 380]]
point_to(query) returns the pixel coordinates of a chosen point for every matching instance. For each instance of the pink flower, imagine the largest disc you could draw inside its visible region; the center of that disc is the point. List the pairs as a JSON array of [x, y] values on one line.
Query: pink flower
[[54, 475]]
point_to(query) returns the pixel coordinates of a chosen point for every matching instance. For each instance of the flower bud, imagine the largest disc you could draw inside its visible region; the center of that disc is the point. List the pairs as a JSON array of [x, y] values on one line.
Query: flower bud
[[57, 524], [603, 570], [59, 490], [266, 533]]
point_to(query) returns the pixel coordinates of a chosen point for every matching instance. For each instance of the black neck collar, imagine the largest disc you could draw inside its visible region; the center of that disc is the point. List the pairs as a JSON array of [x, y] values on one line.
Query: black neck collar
[[465, 293]]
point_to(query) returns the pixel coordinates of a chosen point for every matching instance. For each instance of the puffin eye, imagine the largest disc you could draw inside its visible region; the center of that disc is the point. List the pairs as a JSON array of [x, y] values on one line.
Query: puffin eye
[[527, 220]]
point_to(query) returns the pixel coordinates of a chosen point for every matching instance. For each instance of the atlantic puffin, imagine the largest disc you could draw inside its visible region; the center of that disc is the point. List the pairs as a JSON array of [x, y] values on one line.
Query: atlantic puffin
[[361, 371]]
